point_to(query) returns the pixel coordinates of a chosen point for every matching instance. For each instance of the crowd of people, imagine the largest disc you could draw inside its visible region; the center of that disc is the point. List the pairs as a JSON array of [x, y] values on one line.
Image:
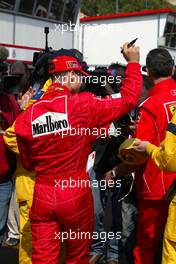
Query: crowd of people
[[88, 175]]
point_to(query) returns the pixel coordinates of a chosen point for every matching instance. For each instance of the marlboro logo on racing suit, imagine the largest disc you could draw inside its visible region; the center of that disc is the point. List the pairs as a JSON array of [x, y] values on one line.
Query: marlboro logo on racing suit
[[49, 123], [49, 117]]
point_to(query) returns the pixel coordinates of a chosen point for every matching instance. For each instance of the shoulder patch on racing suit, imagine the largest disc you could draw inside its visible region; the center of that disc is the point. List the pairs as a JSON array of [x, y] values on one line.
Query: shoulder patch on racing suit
[[169, 109]]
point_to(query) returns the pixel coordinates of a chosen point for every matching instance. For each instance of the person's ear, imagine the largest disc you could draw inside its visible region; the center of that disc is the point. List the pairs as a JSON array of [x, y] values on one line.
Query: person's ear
[[150, 74]]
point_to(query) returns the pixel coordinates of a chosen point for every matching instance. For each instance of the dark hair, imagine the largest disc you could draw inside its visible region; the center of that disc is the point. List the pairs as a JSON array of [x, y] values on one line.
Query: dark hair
[[160, 63], [18, 66]]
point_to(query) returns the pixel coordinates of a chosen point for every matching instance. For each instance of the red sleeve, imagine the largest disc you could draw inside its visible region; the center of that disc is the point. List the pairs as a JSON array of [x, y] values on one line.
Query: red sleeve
[[146, 129], [108, 109], [25, 154]]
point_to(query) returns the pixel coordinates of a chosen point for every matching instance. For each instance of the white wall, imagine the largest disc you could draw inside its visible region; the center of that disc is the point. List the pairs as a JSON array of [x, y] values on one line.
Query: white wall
[[6, 28], [30, 32], [100, 40], [24, 31]]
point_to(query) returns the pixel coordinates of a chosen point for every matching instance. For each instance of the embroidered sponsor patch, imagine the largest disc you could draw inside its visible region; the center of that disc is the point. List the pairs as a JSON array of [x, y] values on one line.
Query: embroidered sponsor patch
[[49, 117], [72, 64], [49, 123], [169, 109]]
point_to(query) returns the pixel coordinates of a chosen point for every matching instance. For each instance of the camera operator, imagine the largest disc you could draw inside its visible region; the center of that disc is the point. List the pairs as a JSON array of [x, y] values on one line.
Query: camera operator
[[56, 156]]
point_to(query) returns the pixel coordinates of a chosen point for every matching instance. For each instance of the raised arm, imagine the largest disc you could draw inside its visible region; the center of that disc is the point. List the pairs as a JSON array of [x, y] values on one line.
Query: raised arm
[[110, 108]]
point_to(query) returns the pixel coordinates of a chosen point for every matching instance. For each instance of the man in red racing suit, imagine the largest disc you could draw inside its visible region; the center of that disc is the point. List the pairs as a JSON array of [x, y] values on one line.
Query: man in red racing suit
[[55, 136]]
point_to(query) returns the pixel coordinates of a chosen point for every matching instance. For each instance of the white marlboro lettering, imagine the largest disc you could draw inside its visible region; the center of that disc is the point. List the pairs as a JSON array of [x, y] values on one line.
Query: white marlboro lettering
[[49, 123]]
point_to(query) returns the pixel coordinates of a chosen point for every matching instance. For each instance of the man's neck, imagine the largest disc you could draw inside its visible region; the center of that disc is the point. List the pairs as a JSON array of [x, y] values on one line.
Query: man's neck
[[156, 81]]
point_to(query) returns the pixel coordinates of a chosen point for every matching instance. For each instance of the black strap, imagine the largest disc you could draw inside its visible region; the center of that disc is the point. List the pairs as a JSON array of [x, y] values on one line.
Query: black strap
[[172, 128]]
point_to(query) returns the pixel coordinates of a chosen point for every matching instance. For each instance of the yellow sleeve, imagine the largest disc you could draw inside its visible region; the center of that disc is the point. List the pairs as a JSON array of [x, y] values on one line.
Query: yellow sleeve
[[46, 85], [165, 155], [10, 139]]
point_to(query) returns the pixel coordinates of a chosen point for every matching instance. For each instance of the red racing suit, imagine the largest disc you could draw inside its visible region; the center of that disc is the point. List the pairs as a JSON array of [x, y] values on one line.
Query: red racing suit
[[152, 183], [55, 137]]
